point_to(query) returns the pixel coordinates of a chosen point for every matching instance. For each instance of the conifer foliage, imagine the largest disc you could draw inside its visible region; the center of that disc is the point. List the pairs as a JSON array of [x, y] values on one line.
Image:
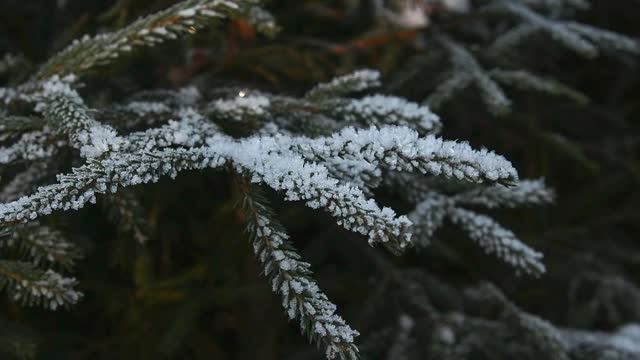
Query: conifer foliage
[[333, 149]]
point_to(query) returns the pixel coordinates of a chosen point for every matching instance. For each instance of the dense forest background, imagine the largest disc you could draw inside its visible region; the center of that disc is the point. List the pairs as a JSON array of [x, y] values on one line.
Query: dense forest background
[[193, 290]]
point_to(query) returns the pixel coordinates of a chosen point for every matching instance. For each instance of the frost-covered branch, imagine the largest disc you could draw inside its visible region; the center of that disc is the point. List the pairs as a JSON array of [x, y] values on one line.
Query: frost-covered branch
[[291, 278], [528, 192], [525, 80], [327, 150], [583, 39], [343, 85], [241, 108], [494, 239], [376, 110], [74, 190], [34, 145], [31, 286], [467, 70], [401, 149], [266, 161], [434, 208], [43, 245], [382, 110], [190, 130], [186, 17], [429, 216], [69, 116], [280, 163]]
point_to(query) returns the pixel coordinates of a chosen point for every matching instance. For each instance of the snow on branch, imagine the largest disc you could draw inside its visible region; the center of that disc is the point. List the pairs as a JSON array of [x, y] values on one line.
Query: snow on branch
[[528, 192], [240, 108], [280, 163], [400, 148], [70, 117], [31, 286], [43, 245], [292, 279], [343, 85], [495, 239], [34, 145], [429, 216], [434, 208], [190, 130], [377, 110], [386, 110], [326, 150], [264, 160], [74, 190]]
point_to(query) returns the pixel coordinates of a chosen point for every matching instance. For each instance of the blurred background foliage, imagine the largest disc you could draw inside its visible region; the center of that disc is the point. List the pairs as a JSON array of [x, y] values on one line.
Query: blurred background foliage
[[193, 290]]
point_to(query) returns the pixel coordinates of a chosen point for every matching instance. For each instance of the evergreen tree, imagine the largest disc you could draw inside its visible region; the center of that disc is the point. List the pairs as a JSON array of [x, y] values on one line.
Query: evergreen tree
[[210, 121]]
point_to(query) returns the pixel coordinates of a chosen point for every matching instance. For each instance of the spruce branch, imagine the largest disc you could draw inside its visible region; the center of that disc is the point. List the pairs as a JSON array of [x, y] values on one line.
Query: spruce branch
[[241, 108], [494, 239], [510, 39], [33, 145], [528, 192], [455, 83], [542, 334], [74, 190], [183, 18], [248, 107], [380, 110], [344, 85], [433, 208], [32, 286], [402, 149], [467, 70], [135, 114], [127, 213], [582, 39], [11, 125], [428, 216], [605, 39], [70, 117], [525, 80], [292, 279], [189, 130], [266, 160], [43, 245]]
